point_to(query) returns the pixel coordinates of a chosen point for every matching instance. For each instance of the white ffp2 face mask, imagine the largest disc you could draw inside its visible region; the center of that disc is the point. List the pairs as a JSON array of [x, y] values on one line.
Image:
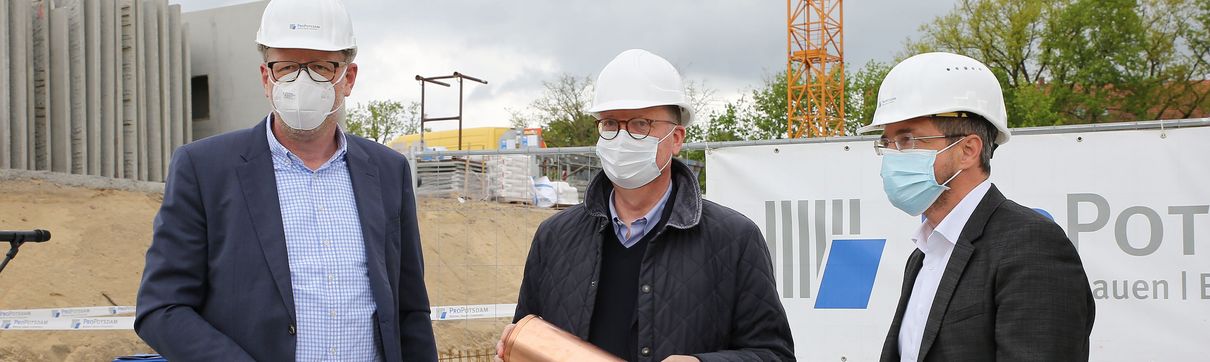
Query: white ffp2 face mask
[[628, 162], [304, 103]]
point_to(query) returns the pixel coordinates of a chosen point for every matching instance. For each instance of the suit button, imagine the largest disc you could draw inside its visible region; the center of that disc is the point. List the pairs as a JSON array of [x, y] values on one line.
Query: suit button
[[593, 284], [646, 288], [292, 331], [646, 352]]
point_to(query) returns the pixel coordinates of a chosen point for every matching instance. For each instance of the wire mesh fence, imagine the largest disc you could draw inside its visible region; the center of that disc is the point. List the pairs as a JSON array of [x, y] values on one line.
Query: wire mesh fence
[[482, 355]]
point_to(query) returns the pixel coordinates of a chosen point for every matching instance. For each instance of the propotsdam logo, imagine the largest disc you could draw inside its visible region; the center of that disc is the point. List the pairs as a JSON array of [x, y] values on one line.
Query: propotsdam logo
[[303, 27], [852, 263], [6, 324]]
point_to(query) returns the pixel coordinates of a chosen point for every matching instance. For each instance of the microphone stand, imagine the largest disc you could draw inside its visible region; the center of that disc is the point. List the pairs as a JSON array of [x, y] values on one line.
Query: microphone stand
[[12, 250]]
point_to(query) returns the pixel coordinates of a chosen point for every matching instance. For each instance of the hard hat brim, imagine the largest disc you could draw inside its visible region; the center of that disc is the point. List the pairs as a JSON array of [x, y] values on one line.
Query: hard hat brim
[[686, 110], [1002, 133]]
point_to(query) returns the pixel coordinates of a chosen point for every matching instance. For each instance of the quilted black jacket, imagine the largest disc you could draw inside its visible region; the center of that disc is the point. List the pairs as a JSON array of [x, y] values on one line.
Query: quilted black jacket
[[707, 280]]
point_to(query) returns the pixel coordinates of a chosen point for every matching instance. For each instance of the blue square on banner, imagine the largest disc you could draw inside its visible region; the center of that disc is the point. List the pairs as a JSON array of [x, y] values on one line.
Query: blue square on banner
[[849, 275]]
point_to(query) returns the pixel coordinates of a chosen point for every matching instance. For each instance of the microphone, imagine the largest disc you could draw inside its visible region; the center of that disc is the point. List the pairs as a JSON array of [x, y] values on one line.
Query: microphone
[[33, 236]]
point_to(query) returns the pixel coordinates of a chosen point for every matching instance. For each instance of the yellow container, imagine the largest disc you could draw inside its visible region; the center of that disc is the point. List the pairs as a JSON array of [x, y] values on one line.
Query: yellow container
[[482, 138]]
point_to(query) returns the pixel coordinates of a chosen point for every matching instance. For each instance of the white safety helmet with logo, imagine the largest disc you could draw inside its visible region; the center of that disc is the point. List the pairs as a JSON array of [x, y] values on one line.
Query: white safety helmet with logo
[[637, 79], [306, 24], [941, 84]]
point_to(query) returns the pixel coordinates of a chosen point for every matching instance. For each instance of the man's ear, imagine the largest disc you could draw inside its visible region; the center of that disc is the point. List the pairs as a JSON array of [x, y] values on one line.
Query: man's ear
[[266, 81], [678, 139], [350, 79], [971, 148]]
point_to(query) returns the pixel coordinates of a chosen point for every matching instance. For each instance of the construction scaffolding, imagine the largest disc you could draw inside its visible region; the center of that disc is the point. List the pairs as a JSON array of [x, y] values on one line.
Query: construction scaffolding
[[93, 87]]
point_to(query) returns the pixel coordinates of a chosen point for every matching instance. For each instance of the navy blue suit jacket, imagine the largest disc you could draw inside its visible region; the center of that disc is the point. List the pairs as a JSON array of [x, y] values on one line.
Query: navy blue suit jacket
[[216, 286]]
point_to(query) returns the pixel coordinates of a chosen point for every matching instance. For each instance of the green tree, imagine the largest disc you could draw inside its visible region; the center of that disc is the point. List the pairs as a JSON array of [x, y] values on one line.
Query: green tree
[[769, 108], [381, 121], [1080, 61], [1196, 32], [1006, 35], [560, 111], [1094, 50], [861, 95]]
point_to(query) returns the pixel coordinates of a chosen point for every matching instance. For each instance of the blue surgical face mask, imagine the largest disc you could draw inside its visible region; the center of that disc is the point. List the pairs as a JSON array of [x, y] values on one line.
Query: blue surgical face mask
[[909, 181]]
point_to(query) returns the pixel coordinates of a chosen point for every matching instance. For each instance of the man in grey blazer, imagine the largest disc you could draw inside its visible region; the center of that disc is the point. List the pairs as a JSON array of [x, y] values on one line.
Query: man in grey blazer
[[990, 279]]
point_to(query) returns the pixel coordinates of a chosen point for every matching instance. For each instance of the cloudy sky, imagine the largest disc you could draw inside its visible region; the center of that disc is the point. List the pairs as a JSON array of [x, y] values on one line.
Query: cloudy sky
[[729, 45]]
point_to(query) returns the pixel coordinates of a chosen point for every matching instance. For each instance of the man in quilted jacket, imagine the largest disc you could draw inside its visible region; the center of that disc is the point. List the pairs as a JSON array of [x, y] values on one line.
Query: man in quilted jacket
[[644, 268]]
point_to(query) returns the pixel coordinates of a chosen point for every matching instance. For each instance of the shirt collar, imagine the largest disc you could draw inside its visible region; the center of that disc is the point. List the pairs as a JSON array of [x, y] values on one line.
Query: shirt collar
[[950, 227], [652, 216], [280, 151]]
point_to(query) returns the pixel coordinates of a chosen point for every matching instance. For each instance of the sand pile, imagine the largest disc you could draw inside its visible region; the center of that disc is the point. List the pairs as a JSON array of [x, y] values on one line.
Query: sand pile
[[474, 254]]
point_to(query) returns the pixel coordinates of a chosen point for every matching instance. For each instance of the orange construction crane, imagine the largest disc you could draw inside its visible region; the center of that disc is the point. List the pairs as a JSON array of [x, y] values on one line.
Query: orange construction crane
[[815, 68]]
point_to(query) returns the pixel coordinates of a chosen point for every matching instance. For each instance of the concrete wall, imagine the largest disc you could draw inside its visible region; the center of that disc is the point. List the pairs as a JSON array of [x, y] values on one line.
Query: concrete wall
[[222, 47], [93, 87]]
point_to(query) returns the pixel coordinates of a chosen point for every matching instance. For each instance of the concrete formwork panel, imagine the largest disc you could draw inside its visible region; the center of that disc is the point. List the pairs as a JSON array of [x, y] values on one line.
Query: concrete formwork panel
[[142, 75], [153, 94], [19, 93], [92, 65], [165, 48], [165, 96], [130, 89], [6, 84], [97, 87], [176, 83], [188, 86], [40, 45], [60, 86], [110, 88], [77, 81]]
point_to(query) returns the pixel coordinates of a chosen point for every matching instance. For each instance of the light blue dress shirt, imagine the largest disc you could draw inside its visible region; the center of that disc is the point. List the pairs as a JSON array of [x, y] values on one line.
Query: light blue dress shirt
[[332, 297]]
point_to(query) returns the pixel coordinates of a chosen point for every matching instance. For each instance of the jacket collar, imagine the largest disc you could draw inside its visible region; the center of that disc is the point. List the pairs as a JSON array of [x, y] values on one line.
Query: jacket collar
[[686, 202]]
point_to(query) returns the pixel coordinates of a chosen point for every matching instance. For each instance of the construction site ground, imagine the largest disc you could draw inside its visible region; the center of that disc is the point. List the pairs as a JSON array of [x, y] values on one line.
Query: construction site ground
[[474, 254]]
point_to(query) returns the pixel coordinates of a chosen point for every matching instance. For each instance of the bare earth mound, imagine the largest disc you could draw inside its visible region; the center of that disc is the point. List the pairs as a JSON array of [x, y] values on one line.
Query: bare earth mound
[[474, 254]]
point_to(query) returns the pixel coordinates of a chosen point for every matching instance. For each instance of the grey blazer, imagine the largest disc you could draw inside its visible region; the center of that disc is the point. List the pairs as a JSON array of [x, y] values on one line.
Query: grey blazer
[[1014, 290]]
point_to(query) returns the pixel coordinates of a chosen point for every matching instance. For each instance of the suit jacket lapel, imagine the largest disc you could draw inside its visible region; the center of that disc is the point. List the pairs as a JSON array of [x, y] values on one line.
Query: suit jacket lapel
[[259, 186], [890, 348], [368, 191], [963, 249]]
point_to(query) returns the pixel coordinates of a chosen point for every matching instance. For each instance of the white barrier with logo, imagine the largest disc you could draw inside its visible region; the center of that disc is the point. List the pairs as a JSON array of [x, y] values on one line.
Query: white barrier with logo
[[111, 318], [1136, 203], [76, 312], [75, 318], [479, 311]]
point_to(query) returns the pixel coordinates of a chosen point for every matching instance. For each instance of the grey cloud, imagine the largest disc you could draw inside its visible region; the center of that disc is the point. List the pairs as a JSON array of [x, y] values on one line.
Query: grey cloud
[[730, 44]]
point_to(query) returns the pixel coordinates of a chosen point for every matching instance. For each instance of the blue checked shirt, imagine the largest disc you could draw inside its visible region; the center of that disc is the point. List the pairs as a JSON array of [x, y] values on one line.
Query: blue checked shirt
[[328, 272], [630, 235]]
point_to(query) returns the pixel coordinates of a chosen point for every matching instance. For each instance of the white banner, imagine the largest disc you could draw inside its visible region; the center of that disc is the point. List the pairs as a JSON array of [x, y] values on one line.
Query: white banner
[[78, 318], [1136, 203], [68, 324], [56, 313]]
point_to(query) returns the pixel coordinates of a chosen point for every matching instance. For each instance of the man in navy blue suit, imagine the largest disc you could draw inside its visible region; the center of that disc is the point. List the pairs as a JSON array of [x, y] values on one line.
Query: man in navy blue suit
[[290, 240]]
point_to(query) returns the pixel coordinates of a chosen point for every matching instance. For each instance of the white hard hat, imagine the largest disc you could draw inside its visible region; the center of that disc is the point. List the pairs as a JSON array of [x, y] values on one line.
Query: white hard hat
[[638, 79], [306, 24], [937, 84]]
